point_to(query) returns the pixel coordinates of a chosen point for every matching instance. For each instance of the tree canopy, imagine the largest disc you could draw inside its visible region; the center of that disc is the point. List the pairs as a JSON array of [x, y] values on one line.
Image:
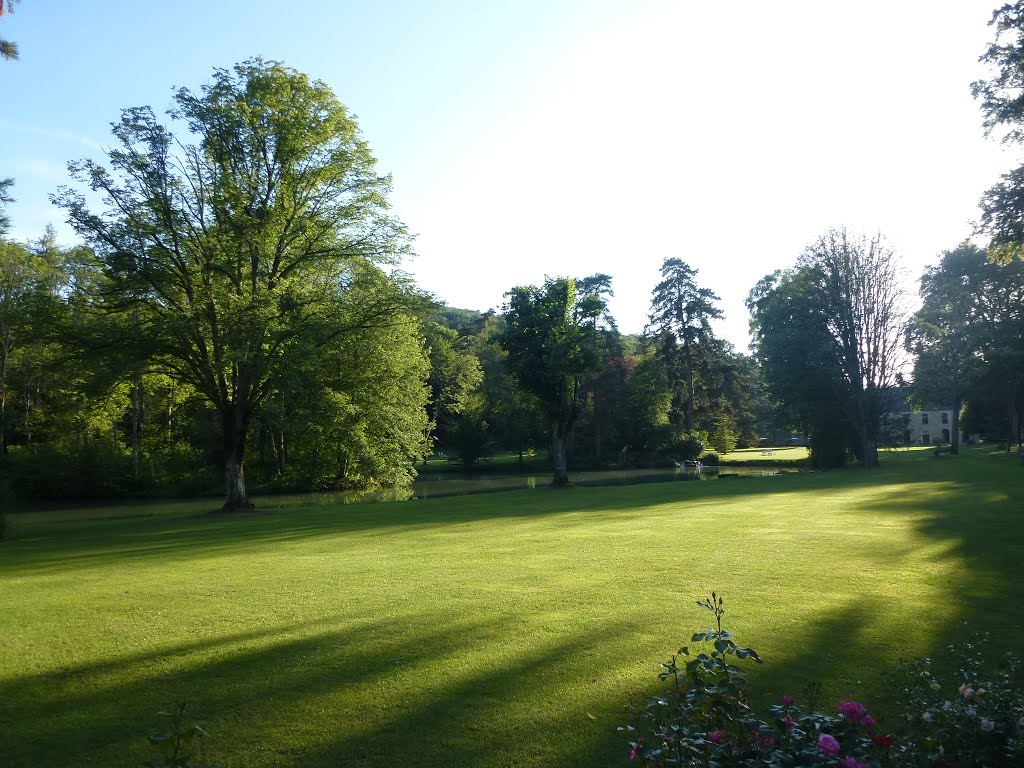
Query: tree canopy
[[550, 341], [830, 336], [680, 318], [237, 256], [1002, 105]]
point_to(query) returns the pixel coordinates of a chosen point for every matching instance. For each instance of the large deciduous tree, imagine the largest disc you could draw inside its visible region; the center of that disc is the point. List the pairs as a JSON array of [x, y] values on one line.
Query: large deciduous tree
[[550, 337], [968, 338], [943, 333], [861, 281], [234, 243], [793, 345], [28, 283], [830, 334]]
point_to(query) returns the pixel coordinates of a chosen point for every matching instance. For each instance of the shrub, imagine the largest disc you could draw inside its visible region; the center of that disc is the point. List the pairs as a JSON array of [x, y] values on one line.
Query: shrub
[[687, 446], [711, 458], [974, 715], [704, 718]]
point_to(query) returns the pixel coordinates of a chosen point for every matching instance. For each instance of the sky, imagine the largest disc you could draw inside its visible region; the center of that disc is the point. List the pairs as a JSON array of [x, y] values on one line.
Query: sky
[[534, 138]]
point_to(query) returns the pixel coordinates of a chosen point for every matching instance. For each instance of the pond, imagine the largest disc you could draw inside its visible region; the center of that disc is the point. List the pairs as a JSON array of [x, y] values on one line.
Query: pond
[[435, 484]]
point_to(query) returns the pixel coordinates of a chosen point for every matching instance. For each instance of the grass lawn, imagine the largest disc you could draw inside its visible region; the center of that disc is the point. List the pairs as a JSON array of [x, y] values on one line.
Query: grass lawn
[[785, 455], [504, 629]]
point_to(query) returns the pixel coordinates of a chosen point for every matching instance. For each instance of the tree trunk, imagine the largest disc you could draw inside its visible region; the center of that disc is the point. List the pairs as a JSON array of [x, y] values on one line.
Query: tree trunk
[[870, 450], [558, 436], [235, 423], [28, 416], [689, 388], [3, 399], [954, 437], [136, 426], [280, 452], [1014, 436]]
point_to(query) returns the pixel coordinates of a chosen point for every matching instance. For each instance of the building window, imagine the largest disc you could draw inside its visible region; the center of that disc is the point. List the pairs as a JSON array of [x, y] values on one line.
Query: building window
[[924, 418], [926, 439], [945, 418]]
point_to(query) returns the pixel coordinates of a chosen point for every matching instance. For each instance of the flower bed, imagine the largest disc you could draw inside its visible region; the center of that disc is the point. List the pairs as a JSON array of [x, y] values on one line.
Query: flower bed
[[704, 718]]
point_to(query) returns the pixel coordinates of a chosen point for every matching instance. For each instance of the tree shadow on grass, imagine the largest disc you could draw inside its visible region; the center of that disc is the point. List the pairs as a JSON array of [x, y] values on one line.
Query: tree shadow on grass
[[968, 513], [337, 696], [269, 689], [41, 545], [840, 651]]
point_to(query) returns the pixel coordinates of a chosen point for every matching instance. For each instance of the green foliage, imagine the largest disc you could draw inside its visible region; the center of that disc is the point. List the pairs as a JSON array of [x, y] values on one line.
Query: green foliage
[[733, 382], [967, 708], [470, 439], [688, 446], [455, 376], [968, 337], [550, 340], [940, 331], [512, 415], [705, 718], [1002, 103], [230, 262], [861, 282], [548, 348], [790, 328], [175, 744], [829, 335], [647, 394], [707, 692], [7, 499], [723, 437], [352, 414], [680, 320], [5, 200], [1002, 107]]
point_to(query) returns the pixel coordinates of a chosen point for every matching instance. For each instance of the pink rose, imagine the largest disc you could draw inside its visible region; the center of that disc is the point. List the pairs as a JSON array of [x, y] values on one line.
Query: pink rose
[[788, 700], [827, 745], [853, 711], [968, 693], [716, 737], [788, 722], [869, 721], [987, 725], [850, 762]]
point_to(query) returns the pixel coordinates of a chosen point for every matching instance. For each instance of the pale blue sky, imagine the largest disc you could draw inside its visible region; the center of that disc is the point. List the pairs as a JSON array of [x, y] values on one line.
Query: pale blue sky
[[569, 136]]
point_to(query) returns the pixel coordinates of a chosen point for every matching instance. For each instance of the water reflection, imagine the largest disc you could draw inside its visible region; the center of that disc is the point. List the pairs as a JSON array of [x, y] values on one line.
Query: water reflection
[[435, 484]]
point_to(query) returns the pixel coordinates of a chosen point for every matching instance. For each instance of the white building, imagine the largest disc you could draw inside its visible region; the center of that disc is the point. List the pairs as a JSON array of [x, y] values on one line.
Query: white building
[[930, 426]]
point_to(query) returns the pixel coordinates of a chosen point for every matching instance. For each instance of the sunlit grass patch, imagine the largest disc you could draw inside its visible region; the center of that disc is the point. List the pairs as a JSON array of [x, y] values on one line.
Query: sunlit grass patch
[[491, 630], [768, 455]]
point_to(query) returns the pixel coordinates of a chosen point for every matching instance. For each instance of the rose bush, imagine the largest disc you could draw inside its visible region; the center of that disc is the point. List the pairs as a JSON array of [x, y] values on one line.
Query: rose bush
[[704, 720]]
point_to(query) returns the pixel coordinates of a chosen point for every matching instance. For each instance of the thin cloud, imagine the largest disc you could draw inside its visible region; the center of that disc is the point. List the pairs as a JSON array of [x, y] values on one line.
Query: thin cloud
[[7, 124]]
